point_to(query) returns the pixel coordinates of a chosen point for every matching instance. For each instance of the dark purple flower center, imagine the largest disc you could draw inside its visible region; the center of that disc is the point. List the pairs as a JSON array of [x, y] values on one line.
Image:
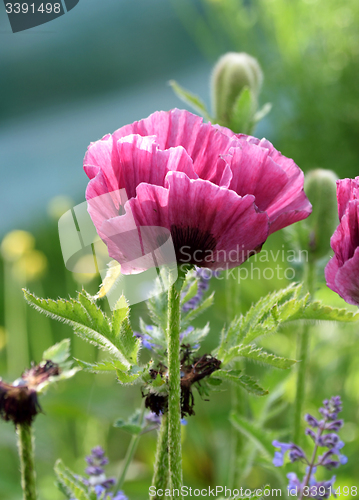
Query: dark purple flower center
[[192, 245]]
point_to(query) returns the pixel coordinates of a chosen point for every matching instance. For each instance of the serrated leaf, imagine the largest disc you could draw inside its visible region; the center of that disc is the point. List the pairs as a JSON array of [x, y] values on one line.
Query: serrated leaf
[[262, 438], [130, 345], [187, 318], [58, 353], [318, 311], [157, 308], [196, 335], [190, 293], [241, 380], [191, 99], [126, 378], [257, 354], [62, 489], [103, 366], [245, 329], [251, 327], [71, 483], [92, 325], [121, 330], [98, 320], [154, 332], [74, 314], [283, 312]]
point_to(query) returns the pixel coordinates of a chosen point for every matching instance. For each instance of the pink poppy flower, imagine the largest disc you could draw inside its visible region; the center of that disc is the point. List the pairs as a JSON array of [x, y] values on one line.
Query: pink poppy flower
[[217, 194], [342, 271]]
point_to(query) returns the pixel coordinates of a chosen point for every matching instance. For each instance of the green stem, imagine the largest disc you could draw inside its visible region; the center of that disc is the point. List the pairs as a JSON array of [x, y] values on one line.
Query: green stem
[[129, 455], [235, 444], [304, 345], [15, 323], [160, 474], [174, 389], [27, 462]]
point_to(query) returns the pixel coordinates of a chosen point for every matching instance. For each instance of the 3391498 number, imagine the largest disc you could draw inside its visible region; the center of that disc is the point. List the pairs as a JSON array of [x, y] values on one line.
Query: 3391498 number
[[314, 491], [24, 8]]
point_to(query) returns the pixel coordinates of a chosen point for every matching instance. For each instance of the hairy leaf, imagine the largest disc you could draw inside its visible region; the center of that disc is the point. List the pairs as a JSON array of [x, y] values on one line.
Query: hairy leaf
[[238, 378], [257, 354], [71, 484], [92, 325], [103, 366], [318, 311], [188, 317]]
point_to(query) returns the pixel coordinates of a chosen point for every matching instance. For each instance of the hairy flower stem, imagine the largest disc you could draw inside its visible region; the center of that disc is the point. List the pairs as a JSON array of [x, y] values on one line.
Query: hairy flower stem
[[129, 455], [236, 443], [27, 462], [303, 357], [160, 474], [174, 388]]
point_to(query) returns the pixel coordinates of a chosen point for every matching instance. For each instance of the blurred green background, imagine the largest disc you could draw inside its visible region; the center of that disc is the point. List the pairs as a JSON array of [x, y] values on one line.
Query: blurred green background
[[105, 64]]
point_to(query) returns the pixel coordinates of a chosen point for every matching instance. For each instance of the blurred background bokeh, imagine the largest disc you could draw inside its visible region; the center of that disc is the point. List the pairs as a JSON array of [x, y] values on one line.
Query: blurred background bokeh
[[105, 64]]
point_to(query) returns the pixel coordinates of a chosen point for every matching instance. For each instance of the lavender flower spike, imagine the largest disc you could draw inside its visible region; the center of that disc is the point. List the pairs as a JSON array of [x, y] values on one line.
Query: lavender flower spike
[[309, 487], [97, 481]]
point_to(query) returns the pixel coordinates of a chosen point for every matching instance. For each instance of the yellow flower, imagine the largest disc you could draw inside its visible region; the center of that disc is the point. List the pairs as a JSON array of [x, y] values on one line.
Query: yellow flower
[[30, 266], [15, 244]]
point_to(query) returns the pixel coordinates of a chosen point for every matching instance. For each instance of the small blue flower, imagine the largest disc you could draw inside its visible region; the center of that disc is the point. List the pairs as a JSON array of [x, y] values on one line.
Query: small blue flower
[[120, 496], [278, 460], [294, 483], [313, 422]]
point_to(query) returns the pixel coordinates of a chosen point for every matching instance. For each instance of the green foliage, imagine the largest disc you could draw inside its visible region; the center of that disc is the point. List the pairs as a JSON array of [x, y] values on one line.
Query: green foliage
[[266, 316], [241, 380], [243, 112], [59, 354], [257, 354], [190, 291], [191, 99], [262, 438], [157, 307], [91, 324], [70, 485], [318, 311], [132, 425], [103, 366], [187, 318]]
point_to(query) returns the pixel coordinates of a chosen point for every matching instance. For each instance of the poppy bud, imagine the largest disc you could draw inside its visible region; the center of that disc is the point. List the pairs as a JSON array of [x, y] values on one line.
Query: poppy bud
[[320, 187], [234, 73]]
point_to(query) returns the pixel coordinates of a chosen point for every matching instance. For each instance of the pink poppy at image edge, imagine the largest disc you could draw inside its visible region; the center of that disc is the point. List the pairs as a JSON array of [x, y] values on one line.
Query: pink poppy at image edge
[[211, 190], [342, 271]]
